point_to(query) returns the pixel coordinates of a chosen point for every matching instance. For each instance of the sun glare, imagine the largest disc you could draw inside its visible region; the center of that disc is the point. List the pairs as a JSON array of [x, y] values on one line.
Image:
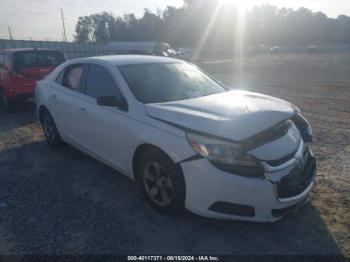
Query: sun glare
[[207, 31], [238, 47], [242, 7]]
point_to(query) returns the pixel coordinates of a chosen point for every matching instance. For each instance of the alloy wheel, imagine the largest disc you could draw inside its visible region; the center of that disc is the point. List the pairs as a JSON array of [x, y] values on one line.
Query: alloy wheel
[[158, 184], [49, 128]]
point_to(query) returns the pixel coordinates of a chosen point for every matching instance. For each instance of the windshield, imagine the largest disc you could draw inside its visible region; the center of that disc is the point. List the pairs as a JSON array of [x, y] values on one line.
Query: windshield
[[37, 58], [164, 82]]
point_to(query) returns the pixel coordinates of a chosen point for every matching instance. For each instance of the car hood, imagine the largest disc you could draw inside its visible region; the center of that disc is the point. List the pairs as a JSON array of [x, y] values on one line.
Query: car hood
[[235, 115]]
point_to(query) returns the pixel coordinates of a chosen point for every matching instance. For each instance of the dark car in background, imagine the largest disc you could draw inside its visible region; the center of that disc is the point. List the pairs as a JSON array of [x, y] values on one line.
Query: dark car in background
[[141, 48], [20, 69]]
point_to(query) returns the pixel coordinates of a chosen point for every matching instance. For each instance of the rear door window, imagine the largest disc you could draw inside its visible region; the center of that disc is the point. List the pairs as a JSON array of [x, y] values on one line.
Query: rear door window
[[71, 77], [30, 59]]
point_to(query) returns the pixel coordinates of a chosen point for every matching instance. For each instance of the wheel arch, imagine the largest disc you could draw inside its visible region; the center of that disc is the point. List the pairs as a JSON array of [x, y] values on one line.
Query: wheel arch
[[143, 149]]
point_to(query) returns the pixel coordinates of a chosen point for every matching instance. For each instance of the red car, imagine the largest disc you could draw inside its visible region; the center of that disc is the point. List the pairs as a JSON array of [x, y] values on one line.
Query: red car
[[19, 71]]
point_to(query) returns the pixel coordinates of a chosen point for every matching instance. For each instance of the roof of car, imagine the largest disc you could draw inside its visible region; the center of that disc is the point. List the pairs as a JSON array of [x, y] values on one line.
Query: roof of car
[[130, 59], [15, 50]]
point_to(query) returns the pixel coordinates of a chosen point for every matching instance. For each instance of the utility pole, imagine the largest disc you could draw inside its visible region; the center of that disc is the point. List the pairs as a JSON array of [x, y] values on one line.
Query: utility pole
[[10, 33], [64, 27]]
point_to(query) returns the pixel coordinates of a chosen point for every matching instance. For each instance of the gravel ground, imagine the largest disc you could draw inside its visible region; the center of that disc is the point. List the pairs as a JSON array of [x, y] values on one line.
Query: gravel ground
[[64, 202]]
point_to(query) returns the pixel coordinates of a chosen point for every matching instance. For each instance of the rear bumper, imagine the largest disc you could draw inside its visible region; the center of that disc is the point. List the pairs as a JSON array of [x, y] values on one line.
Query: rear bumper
[[20, 88], [21, 97], [214, 193]]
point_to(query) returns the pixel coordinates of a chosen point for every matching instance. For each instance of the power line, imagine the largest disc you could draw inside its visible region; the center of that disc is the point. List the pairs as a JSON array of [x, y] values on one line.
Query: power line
[[64, 27]]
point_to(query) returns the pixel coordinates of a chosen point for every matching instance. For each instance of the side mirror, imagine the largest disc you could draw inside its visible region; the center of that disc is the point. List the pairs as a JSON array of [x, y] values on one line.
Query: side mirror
[[112, 101]]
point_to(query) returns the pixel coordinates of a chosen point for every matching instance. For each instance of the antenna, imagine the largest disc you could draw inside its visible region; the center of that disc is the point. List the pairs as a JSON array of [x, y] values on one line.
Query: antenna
[[10, 33], [64, 27]]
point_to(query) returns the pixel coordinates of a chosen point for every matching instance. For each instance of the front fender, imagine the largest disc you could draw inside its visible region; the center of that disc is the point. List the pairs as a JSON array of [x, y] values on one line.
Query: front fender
[[174, 145]]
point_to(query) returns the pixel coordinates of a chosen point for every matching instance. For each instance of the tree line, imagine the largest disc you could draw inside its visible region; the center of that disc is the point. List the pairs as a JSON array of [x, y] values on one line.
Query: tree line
[[206, 23]]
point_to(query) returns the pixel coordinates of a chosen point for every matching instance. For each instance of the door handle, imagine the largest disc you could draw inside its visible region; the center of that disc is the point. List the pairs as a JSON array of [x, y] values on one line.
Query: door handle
[[54, 97], [83, 110]]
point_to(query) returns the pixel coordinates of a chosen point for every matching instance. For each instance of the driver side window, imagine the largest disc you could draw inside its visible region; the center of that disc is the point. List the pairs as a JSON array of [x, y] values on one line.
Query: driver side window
[[100, 82]]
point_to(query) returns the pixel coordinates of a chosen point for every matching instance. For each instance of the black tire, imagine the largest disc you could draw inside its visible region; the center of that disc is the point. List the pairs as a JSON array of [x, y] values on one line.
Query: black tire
[[50, 130], [9, 104], [169, 169]]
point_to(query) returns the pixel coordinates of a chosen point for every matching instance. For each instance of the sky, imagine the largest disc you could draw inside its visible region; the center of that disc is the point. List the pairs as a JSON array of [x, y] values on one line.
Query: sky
[[41, 19]]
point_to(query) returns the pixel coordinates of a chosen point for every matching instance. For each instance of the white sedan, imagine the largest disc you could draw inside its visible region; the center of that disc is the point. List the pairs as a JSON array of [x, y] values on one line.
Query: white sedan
[[188, 140]]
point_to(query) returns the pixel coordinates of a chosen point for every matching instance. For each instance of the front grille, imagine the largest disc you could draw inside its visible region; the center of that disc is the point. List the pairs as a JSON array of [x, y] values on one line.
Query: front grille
[[297, 180], [280, 161]]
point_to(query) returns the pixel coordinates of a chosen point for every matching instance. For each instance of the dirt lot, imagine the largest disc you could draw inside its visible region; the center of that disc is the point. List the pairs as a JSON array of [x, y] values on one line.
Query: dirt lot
[[64, 202]]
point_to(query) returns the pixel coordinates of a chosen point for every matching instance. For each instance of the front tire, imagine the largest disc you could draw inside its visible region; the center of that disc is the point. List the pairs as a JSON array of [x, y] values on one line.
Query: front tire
[[50, 130], [162, 182]]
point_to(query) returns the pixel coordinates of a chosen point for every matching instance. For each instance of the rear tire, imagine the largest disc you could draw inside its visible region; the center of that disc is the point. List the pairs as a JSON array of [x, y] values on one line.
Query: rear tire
[[50, 130], [9, 104], [162, 182]]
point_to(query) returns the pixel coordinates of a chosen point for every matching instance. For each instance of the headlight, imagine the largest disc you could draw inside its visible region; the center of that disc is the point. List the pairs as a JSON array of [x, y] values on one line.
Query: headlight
[[221, 152]]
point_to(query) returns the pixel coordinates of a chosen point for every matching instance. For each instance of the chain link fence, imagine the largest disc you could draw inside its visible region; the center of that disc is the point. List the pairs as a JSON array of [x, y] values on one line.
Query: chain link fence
[[70, 50]]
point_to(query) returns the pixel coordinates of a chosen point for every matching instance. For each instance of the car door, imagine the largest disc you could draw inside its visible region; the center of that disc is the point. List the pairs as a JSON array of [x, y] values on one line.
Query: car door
[[63, 101], [105, 129]]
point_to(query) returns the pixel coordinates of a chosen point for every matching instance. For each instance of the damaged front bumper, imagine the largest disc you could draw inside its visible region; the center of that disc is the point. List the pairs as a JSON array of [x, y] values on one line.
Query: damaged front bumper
[[212, 192]]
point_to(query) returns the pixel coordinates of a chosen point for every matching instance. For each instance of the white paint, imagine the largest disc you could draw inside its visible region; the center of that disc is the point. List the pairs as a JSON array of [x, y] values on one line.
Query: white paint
[[112, 136]]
